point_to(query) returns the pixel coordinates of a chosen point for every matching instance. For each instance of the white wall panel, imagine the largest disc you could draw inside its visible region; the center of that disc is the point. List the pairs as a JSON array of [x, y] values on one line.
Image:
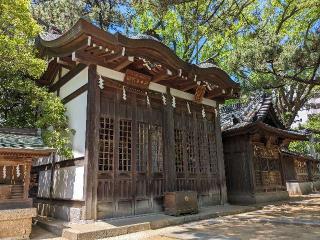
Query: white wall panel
[[75, 83], [77, 114], [68, 183]]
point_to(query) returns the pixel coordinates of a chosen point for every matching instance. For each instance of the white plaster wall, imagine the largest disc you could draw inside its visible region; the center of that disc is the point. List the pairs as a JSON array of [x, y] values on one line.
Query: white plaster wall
[[44, 184], [42, 161], [77, 114], [75, 83], [68, 183], [64, 71]]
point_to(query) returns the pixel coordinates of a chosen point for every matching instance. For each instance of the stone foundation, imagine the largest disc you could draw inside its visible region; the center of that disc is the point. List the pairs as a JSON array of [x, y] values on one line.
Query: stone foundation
[[16, 223], [316, 186], [299, 188], [254, 198], [64, 212]]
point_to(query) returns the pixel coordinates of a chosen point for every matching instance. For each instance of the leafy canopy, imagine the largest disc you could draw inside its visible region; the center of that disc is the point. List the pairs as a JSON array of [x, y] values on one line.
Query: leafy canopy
[[22, 102], [313, 125], [272, 46]]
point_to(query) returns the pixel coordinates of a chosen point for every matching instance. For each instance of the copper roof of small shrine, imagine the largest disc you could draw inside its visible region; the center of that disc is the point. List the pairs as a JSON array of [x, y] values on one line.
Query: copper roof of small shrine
[[20, 140], [89, 44], [258, 113], [258, 108], [298, 155]]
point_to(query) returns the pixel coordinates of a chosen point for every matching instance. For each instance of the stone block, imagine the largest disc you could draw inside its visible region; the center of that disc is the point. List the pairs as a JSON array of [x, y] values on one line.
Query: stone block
[[16, 223]]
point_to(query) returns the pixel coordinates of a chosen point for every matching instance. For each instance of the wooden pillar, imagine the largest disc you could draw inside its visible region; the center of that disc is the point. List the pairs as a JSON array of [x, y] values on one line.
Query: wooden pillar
[[169, 154], [250, 164], [26, 179], [92, 145], [221, 168]]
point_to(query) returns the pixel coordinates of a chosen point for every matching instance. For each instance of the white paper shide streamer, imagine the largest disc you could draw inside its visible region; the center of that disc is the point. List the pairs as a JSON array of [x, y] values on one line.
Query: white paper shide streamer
[[18, 171], [173, 101], [4, 171], [188, 107], [148, 100], [203, 112], [101, 83], [164, 100], [124, 94]]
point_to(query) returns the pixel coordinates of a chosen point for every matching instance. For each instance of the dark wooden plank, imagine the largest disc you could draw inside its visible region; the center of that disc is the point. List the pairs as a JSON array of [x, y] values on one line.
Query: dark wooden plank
[[92, 144], [67, 77], [75, 94], [169, 155], [221, 168]]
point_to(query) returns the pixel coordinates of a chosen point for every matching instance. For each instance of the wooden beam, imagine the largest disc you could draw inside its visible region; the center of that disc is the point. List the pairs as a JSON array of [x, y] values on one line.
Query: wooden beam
[[65, 63], [124, 63], [191, 86], [67, 77], [116, 56], [92, 145], [119, 76], [161, 76], [75, 94]]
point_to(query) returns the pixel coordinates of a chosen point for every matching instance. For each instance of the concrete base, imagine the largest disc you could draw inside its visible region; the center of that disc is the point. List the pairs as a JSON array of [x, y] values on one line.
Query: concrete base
[[254, 198], [116, 227], [16, 223], [59, 211], [299, 188], [316, 186]]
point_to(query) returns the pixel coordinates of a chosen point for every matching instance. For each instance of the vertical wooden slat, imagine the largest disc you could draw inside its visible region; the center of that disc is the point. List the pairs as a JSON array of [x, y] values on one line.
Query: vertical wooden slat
[[251, 178], [169, 158], [92, 144], [219, 146], [27, 180]]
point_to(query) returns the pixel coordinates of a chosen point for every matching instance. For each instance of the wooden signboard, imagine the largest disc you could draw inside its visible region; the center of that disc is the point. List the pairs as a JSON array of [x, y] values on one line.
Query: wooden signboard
[[201, 89], [136, 79]]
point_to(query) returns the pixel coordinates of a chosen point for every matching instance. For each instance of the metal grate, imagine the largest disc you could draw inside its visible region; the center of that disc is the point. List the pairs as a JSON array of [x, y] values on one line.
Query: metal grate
[[106, 144], [125, 145], [156, 148], [178, 150], [142, 147]]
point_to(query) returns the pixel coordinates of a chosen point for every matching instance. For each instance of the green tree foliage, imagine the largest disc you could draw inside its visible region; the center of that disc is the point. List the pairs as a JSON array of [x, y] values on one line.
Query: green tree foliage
[[270, 45], [63, 14], [193, 29], [279, 51], [313, 125], [22, 102]]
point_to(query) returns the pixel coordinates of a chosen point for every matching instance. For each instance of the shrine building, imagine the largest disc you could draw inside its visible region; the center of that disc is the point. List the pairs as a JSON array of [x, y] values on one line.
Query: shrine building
[[146, 123]]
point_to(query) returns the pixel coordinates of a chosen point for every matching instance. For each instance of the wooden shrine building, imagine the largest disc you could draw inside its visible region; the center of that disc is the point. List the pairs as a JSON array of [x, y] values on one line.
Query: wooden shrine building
[[302, 173], [253, 138], [18, 147], [145, 123]]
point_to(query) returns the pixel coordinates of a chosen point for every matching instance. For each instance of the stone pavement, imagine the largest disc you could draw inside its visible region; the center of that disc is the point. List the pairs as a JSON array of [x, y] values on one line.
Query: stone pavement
[[298, 218]]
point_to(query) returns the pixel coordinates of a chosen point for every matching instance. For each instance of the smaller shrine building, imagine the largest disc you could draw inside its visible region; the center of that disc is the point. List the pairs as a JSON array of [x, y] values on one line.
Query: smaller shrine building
[[253, 137], [18, 147]]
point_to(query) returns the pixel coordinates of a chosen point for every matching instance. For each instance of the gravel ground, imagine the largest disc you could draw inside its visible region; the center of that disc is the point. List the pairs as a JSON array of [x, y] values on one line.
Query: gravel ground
[[279, 222]]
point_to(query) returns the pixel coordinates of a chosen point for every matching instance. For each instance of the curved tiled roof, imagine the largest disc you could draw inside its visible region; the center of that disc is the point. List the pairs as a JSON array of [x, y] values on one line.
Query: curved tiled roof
[[258, 108], [141, 45], [144, 36], [21, 139], [245, 127]]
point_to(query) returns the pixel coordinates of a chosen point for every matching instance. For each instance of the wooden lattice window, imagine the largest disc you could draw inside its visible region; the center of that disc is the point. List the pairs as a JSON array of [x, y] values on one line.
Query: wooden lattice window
[[156, 148], [212, 154], [203, 149], [142, 147], [178, 147], [106, 144], [125, 145], [191, 153]]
